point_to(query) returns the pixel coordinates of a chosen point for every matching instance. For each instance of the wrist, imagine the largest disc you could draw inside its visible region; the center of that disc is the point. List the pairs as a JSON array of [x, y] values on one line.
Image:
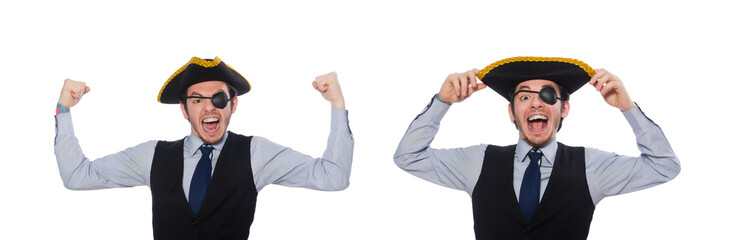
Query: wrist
[[437, 96], [61, 109], [338, 104], [629, 106]]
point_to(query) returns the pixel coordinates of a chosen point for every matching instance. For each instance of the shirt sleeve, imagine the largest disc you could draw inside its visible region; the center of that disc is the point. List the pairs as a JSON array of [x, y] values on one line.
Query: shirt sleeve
[[130, 167], [612, 174], [457, 168], [276, 164]]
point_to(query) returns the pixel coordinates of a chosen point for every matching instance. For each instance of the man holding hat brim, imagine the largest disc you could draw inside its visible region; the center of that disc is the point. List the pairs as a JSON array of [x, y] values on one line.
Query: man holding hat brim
[[538, 188], [205, 185]]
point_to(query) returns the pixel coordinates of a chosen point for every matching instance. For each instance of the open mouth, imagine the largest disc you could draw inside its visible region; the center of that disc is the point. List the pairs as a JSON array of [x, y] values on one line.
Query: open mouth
[[537, 123], [210, 124]]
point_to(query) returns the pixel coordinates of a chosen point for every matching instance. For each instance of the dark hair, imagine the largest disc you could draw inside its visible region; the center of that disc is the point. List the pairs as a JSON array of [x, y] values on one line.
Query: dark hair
[[564, 95]]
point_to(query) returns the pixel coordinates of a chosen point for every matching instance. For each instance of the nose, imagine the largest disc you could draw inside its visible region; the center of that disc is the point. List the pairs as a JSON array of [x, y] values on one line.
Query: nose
[[208, 106], [536, 101]]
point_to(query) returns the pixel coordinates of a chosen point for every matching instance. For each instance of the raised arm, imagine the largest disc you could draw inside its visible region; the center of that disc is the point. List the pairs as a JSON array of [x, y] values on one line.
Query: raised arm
[[456, 168], [127, 168], [276, 164], [612, 174]]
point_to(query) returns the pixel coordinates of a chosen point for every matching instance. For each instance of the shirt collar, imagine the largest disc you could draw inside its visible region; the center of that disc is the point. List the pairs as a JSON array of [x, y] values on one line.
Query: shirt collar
[[193, 143], [549, 151]]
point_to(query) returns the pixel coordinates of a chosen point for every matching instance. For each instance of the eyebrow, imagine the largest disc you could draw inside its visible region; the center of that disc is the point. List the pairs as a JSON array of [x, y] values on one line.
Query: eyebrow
[[196, 94], [523, 87]]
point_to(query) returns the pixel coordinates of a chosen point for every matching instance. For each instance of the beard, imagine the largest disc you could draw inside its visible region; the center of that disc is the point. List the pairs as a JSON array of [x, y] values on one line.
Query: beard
[[541, 139]]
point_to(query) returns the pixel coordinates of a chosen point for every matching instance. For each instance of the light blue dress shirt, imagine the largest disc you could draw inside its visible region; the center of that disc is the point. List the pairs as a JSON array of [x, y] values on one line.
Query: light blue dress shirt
[[607, 173], [271, 163]]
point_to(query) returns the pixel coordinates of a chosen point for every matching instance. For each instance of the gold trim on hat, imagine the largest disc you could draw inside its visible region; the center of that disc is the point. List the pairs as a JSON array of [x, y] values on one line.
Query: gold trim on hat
[[576, 62]]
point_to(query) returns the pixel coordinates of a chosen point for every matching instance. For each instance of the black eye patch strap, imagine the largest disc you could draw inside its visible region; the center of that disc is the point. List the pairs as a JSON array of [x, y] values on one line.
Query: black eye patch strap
[[547, 94], [219, 100]]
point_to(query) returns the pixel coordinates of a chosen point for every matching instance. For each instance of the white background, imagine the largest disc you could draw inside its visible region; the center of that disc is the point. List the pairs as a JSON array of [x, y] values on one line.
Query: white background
[[684, 62]]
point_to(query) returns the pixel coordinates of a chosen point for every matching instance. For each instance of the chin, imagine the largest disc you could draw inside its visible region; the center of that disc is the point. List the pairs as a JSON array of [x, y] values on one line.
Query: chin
[[211, 139], [539, 144], [538, 141]]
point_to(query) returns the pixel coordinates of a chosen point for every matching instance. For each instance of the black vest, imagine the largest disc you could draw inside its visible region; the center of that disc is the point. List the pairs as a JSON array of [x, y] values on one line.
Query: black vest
[[229, 206], [564, 212]]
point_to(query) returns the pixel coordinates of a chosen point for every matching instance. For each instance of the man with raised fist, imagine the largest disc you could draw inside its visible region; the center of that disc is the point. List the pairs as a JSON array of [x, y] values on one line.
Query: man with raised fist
[[205, 185]]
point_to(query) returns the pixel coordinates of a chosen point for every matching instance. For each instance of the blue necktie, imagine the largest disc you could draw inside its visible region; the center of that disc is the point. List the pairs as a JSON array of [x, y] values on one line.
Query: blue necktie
[[530, 186], [201, 179]]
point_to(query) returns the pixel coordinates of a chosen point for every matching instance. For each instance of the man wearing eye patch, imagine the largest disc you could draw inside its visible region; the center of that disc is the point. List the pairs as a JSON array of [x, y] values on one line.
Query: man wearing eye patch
[[205, 185], [538, 188]]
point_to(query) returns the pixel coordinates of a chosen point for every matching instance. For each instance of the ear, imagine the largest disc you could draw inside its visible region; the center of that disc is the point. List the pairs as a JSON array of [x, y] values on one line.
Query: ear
[[234, 104], [184, 112], [510, 112], [565, 109]]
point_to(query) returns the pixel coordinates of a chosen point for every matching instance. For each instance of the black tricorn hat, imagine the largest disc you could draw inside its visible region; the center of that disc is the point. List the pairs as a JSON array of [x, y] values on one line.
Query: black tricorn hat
[[503, 76], [201, 70]]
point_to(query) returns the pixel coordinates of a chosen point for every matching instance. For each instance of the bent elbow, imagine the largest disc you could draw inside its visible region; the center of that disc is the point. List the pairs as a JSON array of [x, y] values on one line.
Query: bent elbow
[[410, 161], [668, 166], [402, 160], [339, 186], [397, 160], [336, 184], [675, 169], [75, 184], [71, 186]]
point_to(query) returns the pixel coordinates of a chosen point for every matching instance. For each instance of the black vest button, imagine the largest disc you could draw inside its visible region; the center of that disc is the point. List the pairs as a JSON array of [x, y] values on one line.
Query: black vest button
[[195, 221], [526, 229]]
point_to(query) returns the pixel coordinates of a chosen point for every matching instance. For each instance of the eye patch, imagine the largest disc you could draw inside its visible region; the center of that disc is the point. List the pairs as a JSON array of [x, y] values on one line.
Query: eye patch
[[219, 100], [547, 94]]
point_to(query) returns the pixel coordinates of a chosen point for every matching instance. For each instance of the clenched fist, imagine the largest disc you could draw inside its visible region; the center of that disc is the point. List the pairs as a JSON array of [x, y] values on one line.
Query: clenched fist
[[328, 86], [72, 92]]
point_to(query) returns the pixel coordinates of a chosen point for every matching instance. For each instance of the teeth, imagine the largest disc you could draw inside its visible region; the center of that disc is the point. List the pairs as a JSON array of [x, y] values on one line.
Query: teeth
[[209, 120], [537, 117]]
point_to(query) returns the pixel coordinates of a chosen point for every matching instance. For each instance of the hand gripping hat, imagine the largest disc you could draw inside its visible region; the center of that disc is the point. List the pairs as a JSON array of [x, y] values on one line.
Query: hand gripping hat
[[201, 70], [503, 76]]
